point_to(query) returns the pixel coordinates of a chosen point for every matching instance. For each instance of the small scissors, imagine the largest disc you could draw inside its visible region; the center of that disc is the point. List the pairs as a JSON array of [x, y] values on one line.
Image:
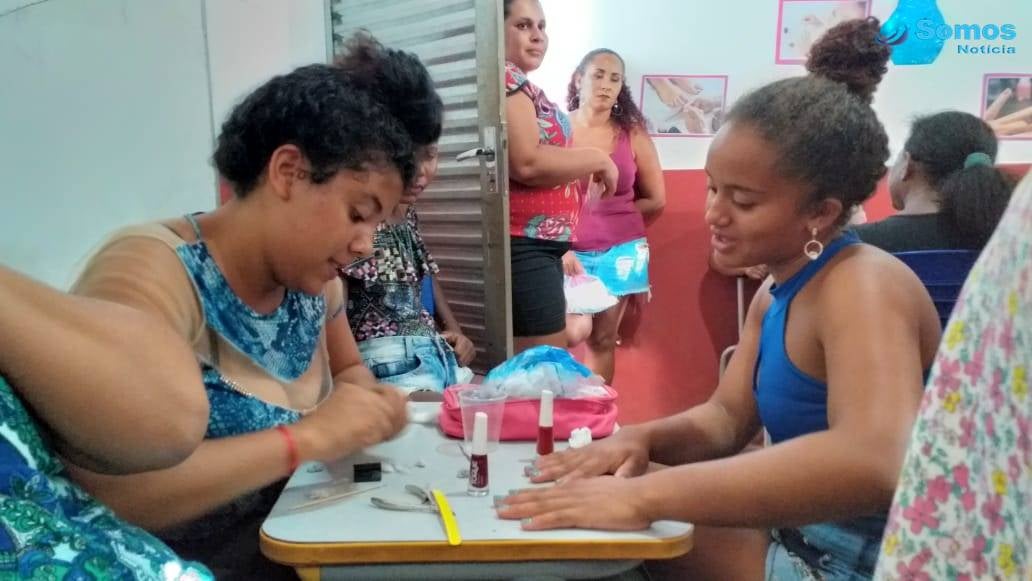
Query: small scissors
[[430, 500], [421, 493]]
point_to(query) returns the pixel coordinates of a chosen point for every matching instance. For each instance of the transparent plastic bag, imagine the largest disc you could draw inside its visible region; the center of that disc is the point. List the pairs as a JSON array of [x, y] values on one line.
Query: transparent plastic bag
[[544, 367], [586, 295]]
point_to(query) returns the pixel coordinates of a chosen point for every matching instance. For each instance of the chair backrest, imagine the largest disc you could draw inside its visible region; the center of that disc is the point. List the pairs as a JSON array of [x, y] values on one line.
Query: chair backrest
[[426, 293], [943, 273]]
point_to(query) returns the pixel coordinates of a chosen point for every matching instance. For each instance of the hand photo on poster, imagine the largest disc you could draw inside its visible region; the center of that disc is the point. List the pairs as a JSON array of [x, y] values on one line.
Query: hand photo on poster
[[683, 105], [802, 22], [1007, 104]]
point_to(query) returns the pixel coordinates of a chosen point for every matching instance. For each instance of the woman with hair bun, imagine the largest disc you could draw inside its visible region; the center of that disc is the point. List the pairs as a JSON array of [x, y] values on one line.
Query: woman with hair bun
[[609, 241], [836, 393]]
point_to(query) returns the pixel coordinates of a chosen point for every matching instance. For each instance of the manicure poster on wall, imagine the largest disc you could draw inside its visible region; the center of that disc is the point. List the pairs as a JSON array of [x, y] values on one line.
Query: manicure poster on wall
[[1007, 104], [683, 105], [802, 22]]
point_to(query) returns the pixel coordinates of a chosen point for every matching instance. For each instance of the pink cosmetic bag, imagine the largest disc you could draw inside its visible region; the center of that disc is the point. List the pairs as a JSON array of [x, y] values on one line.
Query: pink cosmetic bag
[[520, 418]]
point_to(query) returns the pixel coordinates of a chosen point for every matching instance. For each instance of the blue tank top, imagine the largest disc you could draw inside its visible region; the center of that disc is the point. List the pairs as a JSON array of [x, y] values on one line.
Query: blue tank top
[[790, 402]]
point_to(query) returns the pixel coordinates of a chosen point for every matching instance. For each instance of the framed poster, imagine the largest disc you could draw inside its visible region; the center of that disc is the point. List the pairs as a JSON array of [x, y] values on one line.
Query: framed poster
[[683, 105], [802, 22], [1007, 104]]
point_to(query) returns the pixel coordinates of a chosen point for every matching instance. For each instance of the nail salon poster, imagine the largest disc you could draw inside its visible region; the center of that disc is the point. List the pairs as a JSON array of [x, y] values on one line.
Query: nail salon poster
[[802, 22], [683, 105], [1007, 104]]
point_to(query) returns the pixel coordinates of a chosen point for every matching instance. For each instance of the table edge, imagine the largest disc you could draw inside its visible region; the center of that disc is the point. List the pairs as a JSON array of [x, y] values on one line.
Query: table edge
[[308, 554]]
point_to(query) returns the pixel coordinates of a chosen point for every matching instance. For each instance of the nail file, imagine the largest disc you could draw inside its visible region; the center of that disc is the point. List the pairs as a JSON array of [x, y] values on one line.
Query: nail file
[[451, 527]]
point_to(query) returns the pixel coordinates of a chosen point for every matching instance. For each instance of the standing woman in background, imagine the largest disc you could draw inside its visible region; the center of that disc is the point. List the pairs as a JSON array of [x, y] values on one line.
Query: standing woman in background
[[610, 237], [543, 172]]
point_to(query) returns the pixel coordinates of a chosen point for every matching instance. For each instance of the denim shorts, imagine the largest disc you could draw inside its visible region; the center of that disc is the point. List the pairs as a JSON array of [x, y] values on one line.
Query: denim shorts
[[624, 268], [413, 363], [823, 552]]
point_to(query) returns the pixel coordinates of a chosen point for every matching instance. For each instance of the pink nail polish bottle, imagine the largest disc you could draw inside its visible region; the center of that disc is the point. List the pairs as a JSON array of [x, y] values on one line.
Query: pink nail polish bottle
[[545, 432], [478, 457]]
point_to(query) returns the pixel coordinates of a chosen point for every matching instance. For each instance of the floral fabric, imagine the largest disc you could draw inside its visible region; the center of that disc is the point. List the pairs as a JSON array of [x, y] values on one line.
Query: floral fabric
[[385, 292], [537, 212], [51, 529], [963, 508]]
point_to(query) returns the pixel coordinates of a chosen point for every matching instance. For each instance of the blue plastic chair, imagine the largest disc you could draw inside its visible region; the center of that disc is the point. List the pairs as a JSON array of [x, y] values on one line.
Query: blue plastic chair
[[427, 295], [943, 273]]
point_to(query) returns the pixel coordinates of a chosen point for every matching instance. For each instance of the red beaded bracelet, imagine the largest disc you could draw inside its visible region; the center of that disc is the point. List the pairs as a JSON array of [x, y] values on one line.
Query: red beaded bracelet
[[292, 454]]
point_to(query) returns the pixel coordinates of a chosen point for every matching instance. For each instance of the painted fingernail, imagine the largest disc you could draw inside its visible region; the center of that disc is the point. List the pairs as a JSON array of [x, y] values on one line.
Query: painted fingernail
[[499, 500], [525, 521], [531, 471]]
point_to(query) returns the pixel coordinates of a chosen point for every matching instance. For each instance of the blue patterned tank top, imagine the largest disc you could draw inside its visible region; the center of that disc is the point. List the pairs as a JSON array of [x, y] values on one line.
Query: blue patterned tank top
[[281, 343]]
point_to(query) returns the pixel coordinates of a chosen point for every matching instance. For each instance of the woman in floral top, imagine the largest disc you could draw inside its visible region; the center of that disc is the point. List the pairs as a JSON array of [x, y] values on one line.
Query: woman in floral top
[[544, 195], [396, 335], [963, 509]]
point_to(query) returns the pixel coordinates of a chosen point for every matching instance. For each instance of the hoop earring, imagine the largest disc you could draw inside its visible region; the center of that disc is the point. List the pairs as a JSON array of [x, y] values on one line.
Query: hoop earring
[[814, 248]]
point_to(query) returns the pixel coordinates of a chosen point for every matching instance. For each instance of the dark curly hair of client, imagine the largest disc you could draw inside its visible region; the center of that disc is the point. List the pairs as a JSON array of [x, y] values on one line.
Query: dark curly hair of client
[[822, 125], [334, 123], [850, 53], [398, 80], [626, 113]]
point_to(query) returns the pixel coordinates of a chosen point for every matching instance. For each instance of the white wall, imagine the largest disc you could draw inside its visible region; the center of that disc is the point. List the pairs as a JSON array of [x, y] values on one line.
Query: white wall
[[107, 111], [737, 38], [252, 40]]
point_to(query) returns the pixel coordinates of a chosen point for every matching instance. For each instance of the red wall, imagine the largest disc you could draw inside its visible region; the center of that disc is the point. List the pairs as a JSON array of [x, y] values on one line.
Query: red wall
[[669, 362]]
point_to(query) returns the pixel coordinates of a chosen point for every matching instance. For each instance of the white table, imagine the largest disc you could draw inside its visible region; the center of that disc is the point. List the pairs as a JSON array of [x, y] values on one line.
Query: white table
[[351, 539]]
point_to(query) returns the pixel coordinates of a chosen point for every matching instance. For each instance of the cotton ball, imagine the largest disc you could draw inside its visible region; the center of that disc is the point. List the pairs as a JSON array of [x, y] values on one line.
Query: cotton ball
[[580, 437]]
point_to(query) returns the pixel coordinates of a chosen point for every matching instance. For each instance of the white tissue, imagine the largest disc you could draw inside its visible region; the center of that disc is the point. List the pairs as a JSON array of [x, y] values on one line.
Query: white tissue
[[580, 437]]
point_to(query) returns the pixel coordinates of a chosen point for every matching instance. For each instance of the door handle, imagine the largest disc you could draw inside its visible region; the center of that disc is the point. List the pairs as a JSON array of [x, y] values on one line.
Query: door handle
[[487, 153]]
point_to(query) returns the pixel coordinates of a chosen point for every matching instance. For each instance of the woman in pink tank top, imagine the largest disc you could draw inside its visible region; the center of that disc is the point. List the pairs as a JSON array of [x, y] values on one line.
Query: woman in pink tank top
[[609, 240]]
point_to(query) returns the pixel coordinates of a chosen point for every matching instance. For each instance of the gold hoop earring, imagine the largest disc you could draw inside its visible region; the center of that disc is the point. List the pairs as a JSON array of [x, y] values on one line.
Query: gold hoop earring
[[814, 248]]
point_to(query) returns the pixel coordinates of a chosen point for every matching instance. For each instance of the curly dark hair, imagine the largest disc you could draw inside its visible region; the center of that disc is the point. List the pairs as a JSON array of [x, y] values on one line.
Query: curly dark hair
[[974, 197], [850, 53], [824, 134], [398, 80], [335, 124], [626, 113]]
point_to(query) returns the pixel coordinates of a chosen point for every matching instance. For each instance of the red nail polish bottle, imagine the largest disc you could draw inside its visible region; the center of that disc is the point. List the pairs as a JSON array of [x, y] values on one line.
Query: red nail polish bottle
[[545, 435], [478, 457]]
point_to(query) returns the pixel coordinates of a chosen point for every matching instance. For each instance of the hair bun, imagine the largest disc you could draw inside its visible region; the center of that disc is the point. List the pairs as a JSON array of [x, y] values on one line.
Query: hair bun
[[850, 53]]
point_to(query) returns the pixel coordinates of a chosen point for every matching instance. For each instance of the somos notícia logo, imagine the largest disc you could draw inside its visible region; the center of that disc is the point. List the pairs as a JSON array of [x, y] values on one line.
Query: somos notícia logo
[[918, 32]]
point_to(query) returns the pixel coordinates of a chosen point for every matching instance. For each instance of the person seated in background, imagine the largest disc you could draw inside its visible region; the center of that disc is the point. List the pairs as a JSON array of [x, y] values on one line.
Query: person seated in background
[[96, 383], [837, 393], [945, 187], [609, 239], [963, 507], [316, 163], [397, 338]]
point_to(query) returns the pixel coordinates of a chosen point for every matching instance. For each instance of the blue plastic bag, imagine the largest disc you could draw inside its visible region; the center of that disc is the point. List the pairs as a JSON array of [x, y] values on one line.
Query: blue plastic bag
[[544, 367]]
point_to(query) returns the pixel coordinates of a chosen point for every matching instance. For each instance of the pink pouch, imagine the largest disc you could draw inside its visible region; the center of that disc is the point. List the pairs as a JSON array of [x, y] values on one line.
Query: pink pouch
[[521, 416]]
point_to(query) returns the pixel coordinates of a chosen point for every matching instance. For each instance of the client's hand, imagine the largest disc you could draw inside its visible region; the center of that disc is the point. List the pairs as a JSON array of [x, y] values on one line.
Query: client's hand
[[625, 453], [606, 503]]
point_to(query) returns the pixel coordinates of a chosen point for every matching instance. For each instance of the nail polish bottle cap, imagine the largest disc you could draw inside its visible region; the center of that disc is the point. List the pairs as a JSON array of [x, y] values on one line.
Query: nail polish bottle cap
[[545, 418], [480, 433]]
